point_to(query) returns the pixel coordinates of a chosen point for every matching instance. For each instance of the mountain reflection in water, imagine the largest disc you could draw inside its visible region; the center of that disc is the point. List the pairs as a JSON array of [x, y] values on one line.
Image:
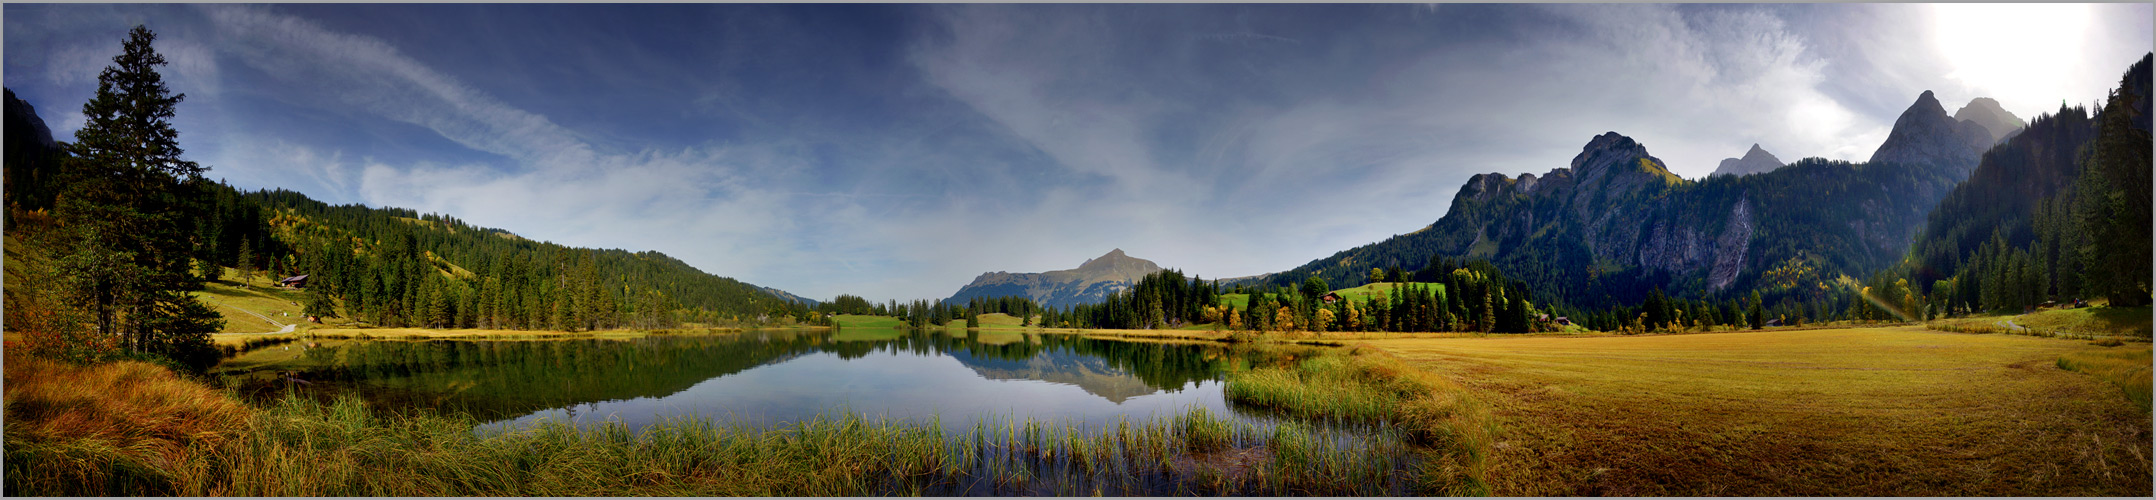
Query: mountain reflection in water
[[761, 376]]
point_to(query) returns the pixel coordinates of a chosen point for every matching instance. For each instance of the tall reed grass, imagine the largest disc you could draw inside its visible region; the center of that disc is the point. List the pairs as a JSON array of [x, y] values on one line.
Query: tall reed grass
[[1367, 385]]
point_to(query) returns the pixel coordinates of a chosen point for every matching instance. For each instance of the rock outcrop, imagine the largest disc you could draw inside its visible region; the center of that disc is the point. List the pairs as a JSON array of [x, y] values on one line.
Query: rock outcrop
[[1754, 161]]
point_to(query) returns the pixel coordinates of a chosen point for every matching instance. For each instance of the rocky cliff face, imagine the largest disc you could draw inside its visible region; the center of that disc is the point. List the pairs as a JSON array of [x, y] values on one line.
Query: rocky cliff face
[[1611, 202], [1924, 134], [1754, 161], [1090, 282]]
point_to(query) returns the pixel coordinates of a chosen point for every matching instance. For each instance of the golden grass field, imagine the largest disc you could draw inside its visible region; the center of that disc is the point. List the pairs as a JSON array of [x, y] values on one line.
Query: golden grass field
[[1858, 411]]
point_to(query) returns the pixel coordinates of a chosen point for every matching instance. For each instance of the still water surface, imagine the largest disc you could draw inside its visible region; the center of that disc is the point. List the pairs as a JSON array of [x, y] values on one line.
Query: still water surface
[[763, 377]]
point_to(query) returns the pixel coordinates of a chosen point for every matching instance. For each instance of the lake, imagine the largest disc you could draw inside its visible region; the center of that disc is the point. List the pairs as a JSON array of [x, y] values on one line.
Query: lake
[[766, 377]]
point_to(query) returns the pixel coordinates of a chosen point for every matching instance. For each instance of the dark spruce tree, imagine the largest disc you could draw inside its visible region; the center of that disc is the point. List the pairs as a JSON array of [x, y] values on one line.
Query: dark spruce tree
[[129, 208], [2114, 194]]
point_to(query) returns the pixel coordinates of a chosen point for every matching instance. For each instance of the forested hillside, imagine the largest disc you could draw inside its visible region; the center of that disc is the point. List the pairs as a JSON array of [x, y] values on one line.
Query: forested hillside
[[109, 235], [2059, 212], [396, 267]]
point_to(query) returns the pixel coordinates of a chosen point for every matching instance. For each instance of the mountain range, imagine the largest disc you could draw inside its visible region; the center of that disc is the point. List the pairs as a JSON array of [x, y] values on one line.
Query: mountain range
[[1616, 222], [1090, 282]]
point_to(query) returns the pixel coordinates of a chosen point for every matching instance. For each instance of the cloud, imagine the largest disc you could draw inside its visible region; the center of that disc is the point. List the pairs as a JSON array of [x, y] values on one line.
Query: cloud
[[1339, 141], [711, 207], [369, 73], [1222, 139]]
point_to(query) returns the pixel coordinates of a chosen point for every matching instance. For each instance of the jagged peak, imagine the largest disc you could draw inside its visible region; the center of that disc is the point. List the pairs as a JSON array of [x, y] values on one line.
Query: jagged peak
[[1925, 105]]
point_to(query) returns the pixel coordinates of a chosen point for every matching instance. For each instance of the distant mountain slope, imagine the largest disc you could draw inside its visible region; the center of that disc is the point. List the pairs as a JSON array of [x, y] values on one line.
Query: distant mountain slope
[[1985, 111], [1754, 161], [789, 296], [1616, 224], [33, 157], [1089, 283]]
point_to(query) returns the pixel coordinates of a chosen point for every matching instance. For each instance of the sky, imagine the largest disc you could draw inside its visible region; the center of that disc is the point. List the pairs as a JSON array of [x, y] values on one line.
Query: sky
[[898, 151]]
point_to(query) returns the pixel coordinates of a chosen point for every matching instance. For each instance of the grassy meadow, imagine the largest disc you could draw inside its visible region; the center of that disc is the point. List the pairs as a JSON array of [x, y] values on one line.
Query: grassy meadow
[[233, 301], [1856, 411]]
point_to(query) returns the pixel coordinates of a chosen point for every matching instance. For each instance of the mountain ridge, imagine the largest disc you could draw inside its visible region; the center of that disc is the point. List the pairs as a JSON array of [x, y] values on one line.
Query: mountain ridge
[[1090, 282], [1614, 224]]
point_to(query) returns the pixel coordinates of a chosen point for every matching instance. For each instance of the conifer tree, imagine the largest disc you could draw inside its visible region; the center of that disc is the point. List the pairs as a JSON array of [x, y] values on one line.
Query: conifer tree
[[129, 208], [2114, 188]]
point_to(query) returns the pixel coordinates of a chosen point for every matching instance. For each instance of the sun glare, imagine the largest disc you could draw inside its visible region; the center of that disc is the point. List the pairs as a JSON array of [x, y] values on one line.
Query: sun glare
[[2016, 52]]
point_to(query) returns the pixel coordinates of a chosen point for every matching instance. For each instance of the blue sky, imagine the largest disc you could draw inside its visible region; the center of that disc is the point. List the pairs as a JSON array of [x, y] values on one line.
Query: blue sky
[[896, 151]]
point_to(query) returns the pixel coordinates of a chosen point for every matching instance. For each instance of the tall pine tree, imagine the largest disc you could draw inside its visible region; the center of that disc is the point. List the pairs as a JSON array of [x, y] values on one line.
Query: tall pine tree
[[129, 208]]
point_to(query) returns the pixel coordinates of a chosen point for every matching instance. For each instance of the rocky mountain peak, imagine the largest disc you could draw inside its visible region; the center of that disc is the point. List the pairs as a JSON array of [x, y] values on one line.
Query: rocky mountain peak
[[1924, 134], [1754, 161], [1612, 157], [1088, 283], [1108, 260]]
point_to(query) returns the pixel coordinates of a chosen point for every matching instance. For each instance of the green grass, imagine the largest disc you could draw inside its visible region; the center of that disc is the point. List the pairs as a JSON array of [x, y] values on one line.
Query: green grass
[[1858, 411], [996, 320], [228, 298], [1239, 301], [1362, 294], [1367, 292], [2082, 323], [2129, 321], [866, 321]]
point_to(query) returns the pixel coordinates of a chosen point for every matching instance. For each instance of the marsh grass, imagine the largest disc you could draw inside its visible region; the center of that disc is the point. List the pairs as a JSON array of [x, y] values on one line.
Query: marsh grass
[[1362, 385], [147, 432], [120, 427]]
